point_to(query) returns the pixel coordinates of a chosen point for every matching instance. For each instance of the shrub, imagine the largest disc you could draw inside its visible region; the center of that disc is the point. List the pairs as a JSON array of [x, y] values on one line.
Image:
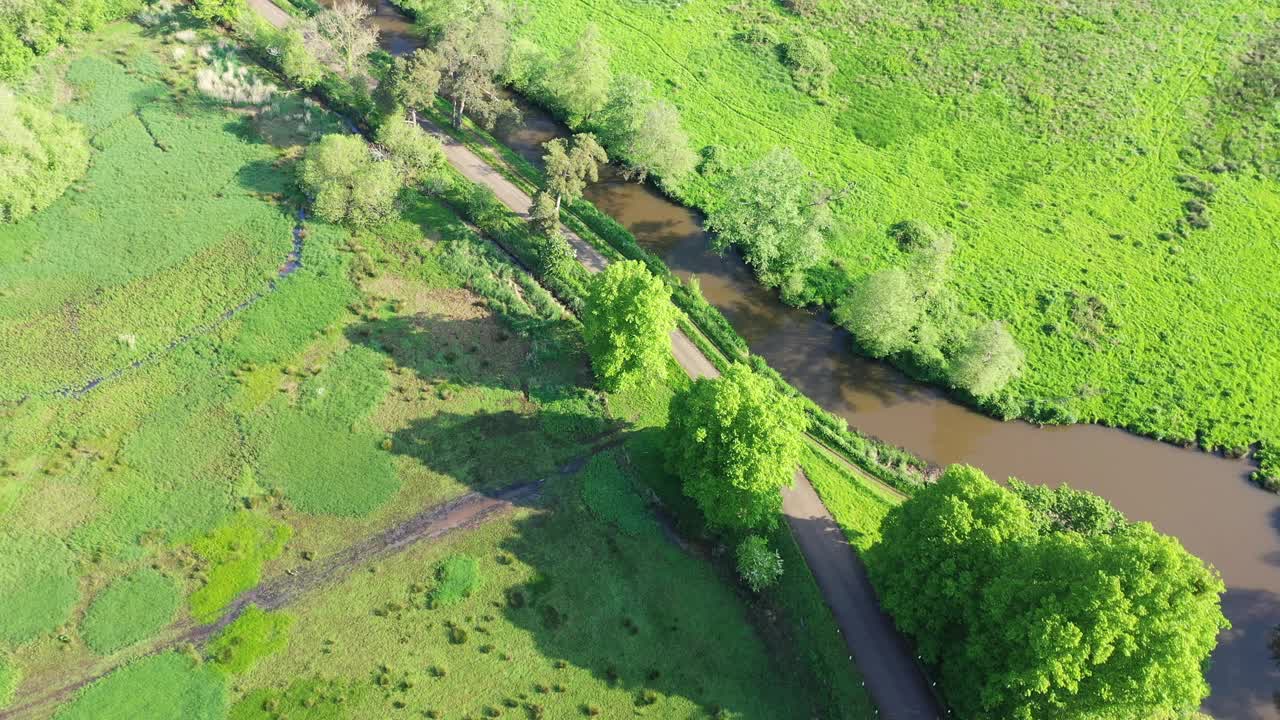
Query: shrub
[[456, 578], [759, 566], [988, 361], [881, 311], [128, 610], [349, 185], [810, 65], [40, 155]]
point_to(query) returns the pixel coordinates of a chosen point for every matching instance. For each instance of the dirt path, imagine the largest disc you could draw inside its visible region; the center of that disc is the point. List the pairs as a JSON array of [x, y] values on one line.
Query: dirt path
[[463, 513], [270, 12]]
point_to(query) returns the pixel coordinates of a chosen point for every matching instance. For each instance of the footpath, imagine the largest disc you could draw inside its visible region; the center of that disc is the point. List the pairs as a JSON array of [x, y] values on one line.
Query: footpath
[[882, 654]]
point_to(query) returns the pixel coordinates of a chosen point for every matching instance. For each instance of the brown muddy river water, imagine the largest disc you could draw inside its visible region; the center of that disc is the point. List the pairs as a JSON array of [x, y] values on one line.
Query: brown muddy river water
[[1204, 500]]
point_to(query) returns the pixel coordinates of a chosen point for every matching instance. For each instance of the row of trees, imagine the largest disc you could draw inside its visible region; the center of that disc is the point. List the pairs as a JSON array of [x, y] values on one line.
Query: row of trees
[[1036, 603], [910, 311]]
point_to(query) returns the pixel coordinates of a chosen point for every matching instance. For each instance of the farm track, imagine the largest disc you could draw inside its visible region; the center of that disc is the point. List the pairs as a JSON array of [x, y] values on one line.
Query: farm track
[[463, 513]]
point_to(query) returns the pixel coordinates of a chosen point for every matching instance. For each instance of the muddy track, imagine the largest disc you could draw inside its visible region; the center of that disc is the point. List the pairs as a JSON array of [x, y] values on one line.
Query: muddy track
[[464, 513]]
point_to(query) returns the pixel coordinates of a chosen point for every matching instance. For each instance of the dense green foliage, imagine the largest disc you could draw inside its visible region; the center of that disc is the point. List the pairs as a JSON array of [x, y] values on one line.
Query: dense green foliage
[[130, 609], [759, 565], [734, 442], [31, 28], [1050, 141], [252, 636], [417, 154], [169, 685], [772, 213], [626, 320], [1048, 607], [348, 183], [40, 155], [570, 165]]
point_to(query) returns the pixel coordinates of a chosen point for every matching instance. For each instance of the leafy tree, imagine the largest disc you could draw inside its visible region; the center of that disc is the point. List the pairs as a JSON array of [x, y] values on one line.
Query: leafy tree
[[660, 146], [759, 565], [570, 166], [988, 361], [471, 54], [626, 322], [297, 62], [1065, 509], [15, 56], [645, 132], [349, 185], [416, 80], [582, 76], [217, 11], [553, 250], [416, 154], [543, 215], [433, 16], [734, 442], [769, 211], [881, 311], [1028, 617], [343, 36], [41, 153]]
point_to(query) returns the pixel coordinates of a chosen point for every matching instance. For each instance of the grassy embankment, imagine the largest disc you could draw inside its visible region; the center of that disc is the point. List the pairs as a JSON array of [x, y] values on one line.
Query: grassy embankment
[[395, 369], [1058, 147]]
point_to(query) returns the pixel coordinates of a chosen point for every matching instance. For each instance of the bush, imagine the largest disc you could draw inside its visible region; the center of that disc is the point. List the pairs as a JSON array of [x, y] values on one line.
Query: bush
[[456, 578], [128, 610], [810, 65], [350, 186], [759, 566], [40, 155]]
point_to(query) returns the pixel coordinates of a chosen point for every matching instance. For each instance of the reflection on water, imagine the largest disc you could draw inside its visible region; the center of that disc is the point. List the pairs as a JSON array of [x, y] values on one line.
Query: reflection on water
[[1202, 499]]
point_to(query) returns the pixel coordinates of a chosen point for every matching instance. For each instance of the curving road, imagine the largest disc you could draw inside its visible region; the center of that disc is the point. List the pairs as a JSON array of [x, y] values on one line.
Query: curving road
[[883, 656]]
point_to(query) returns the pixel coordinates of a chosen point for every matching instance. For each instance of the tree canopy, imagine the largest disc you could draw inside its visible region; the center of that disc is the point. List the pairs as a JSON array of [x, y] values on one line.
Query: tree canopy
[[626, 320], [770, 211], [582, 76], [988, 361], [41, 153], [1038, 603], [471, 53], [570, 165], [645, 132], [734, 442], [416, 80], [881, 312], [349, 185], [415, 153], [343, 37]]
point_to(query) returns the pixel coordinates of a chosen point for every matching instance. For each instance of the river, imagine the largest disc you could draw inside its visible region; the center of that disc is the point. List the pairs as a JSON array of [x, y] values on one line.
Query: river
[[1204, 500]]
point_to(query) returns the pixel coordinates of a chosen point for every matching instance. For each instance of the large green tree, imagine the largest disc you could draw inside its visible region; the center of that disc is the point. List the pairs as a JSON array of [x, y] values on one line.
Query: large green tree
[[41, 153], [1046, 604], [415, 80], [645, 132], [626, 320], [415, 153], [734, 441], [570, 165], [988, 361], [349, 185], [471, 53], [881, 311], [771, 211], [581, 77]]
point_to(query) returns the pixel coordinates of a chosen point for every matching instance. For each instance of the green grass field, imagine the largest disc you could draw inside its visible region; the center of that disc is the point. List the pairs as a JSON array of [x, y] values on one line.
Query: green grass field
[[396, 369], [1060, 143]]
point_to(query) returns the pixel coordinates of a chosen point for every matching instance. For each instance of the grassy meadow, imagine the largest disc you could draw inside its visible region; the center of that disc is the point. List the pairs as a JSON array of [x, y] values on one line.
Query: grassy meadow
[[252, 426], [1102, 165]]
